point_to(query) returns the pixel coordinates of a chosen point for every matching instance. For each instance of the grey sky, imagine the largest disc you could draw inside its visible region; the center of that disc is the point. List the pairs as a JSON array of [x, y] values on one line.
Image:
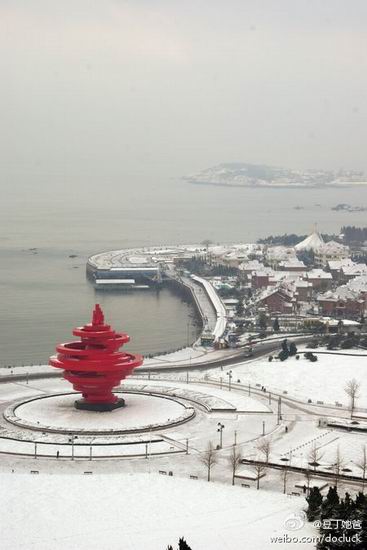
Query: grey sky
[[169, 87]]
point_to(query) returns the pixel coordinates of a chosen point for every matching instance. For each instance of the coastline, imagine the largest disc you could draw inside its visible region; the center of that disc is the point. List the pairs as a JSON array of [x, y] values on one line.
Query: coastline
[[341, 185]]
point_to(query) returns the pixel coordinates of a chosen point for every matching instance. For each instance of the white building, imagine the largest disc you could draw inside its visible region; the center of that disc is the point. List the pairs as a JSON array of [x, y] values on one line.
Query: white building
[[330, 251]]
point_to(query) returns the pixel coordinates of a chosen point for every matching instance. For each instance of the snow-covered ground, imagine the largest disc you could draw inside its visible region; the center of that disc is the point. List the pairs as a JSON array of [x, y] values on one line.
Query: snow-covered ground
[[323, 380], [209, 394], [12, 391], [140, 412], [211, 403], [84, 451], [298, 443], [142, 511]]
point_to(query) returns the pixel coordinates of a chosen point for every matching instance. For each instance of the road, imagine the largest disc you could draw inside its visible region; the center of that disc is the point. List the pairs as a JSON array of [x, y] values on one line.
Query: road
[[261, 348]]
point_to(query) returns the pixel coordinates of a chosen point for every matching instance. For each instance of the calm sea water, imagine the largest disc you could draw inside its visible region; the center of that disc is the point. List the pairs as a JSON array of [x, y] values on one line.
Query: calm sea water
[[43, 295]]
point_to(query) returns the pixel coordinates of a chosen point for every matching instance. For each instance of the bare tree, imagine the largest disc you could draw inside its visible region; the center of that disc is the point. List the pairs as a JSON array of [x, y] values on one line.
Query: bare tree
[[338, 465], [206, 243], [264, 447], [209, 458], [314, 456], [234, 460], [308, 477], [352, 390], [362, 465], [259, 468]]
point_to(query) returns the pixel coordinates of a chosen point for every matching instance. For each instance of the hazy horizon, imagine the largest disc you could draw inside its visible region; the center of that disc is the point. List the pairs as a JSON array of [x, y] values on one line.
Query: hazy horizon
[[161, 89]]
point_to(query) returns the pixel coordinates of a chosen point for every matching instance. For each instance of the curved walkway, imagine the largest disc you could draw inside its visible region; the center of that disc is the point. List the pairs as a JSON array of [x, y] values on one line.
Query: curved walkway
[[220, 310]]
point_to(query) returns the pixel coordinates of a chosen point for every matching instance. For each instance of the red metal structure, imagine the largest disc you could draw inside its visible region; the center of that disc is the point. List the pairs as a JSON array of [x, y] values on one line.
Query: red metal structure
[[94, 365]]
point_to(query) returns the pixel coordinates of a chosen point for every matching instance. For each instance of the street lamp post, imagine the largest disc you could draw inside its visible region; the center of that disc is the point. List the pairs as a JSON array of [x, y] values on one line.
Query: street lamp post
[[235, 438], [188, 333], [279, 410], [229, 374], [35, 449], [220, 431], [149, 450], [71, 440]]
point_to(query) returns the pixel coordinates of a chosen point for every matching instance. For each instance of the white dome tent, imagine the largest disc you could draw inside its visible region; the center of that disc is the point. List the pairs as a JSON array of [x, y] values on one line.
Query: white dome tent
[[312, 242]]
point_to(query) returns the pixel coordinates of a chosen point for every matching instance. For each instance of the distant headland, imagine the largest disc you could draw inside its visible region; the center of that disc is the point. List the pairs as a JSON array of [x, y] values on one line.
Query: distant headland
[[238, 174]]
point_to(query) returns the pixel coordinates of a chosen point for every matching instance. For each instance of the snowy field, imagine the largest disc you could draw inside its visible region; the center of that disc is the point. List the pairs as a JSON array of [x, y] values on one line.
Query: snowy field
[[135, 512], [323, 380]]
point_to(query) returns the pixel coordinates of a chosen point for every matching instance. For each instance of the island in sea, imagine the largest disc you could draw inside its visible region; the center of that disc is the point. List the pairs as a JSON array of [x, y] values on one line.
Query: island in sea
[[239, 174]]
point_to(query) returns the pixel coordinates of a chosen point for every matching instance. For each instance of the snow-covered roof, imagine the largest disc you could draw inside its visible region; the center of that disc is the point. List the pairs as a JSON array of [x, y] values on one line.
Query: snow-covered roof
[[343, 293], [279, 276], [292, 263], [354, 269], [230, 301], [318, 274], [266, 293], [358, 284], [312, 242], [264, 272], [280, 253], [286, 290], [251, 265], [332, 247], [236, 255], [300, 283], [137, 259], [236, 251], [336, 265]]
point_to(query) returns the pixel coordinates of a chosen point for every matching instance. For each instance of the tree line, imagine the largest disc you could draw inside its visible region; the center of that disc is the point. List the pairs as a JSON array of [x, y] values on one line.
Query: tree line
[[342, 522], [354, 234]]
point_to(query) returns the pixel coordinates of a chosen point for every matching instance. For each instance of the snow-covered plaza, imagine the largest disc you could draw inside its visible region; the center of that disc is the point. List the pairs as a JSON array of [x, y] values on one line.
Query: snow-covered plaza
[[138, 475]]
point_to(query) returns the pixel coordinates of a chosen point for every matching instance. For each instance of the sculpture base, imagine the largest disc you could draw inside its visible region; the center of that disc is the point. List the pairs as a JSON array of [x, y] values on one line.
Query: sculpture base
[[84, 405]]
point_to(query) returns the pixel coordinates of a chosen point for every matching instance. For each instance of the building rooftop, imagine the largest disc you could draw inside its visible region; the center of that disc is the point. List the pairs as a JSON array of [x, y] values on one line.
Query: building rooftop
[[352, 270], [336, 265], [318, 274], [332, 247]]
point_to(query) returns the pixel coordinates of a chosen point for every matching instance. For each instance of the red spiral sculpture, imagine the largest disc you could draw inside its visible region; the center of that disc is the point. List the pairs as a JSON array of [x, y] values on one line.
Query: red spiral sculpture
[[94, 366]]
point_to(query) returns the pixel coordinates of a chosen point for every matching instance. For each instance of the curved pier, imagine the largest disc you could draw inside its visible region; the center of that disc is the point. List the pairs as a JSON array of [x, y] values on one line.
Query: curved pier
[[155, 266]]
